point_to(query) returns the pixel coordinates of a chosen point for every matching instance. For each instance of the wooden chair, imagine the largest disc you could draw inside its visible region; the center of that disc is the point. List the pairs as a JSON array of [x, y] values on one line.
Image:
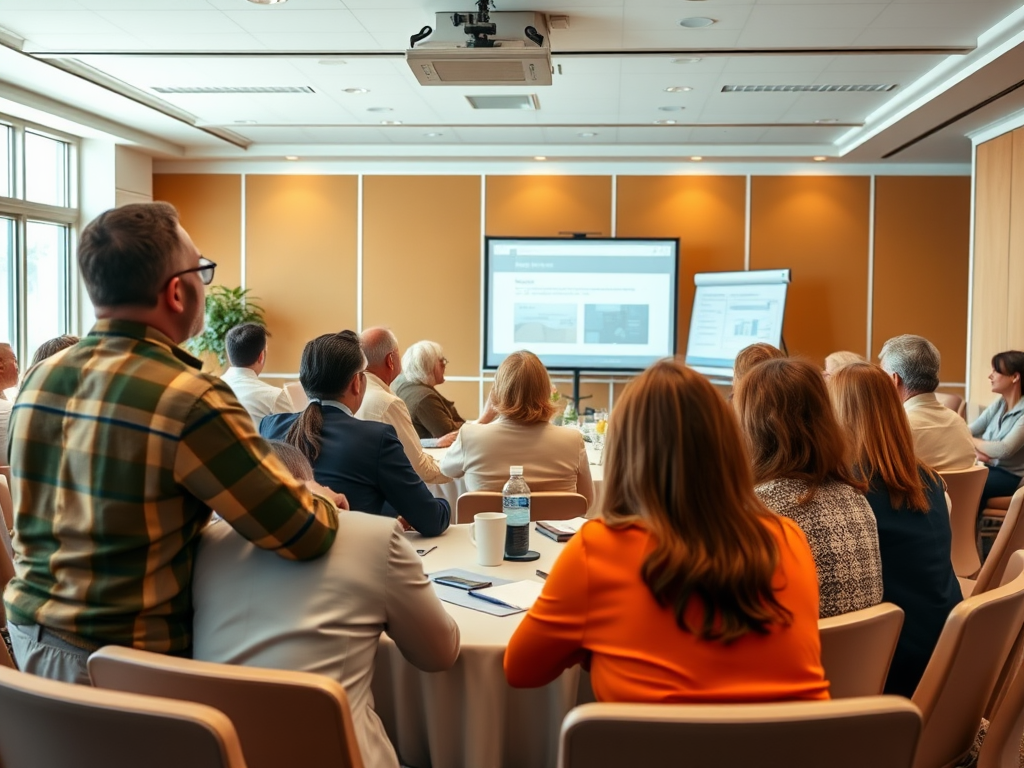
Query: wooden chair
[[1009, 539], [857, 648], [282, 718], [963, 671], [964, 489], [953, 402], [46, 723], [544, 505], [879, 731], [993, 516], [297, 395], [1001, 747]]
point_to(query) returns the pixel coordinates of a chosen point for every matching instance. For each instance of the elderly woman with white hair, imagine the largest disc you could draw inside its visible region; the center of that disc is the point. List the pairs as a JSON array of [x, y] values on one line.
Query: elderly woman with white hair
[[423, 366]]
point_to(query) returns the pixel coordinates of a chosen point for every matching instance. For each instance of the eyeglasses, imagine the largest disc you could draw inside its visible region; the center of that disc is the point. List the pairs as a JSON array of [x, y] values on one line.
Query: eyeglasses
[[444, 361], [205, 270]]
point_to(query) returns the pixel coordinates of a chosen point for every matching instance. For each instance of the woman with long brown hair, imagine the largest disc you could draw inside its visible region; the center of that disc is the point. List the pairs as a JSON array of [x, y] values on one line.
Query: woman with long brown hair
[[688, 589], [909, 503], [801, 471]]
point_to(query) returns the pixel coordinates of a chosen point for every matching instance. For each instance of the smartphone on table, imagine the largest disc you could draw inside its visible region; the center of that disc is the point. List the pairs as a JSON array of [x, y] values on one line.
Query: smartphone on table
[[460, 583]]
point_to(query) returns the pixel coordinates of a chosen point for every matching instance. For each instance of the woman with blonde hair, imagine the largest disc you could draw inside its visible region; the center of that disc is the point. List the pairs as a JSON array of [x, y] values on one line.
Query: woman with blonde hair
[[909, 503], [689, 589], [553, 458], [802, 471]]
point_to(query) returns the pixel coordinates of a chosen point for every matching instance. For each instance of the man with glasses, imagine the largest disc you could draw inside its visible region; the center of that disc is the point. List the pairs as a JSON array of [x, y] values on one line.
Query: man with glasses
[[121, 447]]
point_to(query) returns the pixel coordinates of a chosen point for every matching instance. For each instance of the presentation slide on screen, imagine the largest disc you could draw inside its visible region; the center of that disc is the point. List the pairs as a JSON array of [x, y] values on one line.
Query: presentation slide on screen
[[732, 310], [593, 305]]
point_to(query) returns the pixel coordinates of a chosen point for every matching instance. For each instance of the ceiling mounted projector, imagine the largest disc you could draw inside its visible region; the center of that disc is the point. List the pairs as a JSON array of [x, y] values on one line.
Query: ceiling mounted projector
[[500, 48]]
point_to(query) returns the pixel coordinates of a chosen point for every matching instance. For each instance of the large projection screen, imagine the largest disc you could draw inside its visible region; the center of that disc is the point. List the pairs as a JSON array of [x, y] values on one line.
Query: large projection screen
[[590, 305], [732, 310]]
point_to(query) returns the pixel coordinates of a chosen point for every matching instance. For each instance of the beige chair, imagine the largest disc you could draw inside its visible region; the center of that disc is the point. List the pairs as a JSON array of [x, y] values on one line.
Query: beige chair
[[282, 718], [964, 489], [46, 723], [876, 731], [544, 505], [993, 515], [1001, 748], [963, 671], [297, 395], [857, 648], [1009, 539], [953, 402]]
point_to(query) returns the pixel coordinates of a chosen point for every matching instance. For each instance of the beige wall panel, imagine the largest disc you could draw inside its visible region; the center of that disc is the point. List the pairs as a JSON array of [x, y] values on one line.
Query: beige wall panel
[[301, 258], [421, 263], [1015, 255], [465, 395], [706, 213], [818, 226], [922, 259], [544, 206], [993, 178], [210, 208]]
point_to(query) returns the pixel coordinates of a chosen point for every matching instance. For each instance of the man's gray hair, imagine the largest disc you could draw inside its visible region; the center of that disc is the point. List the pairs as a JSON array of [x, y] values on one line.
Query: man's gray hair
[[419, 361], [378, 343], [915, 359]]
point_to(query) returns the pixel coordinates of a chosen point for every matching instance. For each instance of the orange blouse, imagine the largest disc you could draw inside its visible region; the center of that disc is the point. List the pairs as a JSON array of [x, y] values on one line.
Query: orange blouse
[[595, 603]]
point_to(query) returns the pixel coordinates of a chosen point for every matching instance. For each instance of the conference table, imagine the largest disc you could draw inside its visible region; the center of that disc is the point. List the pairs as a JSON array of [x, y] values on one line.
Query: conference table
[[469, 716], [451, 491]]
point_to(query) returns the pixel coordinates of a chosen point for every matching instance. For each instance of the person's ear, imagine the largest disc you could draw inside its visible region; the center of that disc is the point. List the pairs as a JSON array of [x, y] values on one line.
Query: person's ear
[[263, 357], [174, 295]]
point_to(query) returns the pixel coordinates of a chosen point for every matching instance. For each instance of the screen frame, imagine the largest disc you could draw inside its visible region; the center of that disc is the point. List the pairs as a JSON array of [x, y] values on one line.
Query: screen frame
[[485, 287]]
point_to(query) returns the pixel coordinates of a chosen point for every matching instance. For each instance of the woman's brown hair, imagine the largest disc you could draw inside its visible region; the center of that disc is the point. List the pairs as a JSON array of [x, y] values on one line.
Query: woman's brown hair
[[675, 463], [869, 409], [750, 356], [522, 389], [790, 428]]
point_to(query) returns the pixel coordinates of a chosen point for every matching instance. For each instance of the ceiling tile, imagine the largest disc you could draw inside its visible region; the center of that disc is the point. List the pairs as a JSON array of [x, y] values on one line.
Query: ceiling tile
[[296, 21], [26, 23], [207, 23]]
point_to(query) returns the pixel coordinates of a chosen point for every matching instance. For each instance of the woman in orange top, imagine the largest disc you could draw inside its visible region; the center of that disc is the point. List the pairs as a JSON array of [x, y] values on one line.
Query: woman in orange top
[[690, 589]]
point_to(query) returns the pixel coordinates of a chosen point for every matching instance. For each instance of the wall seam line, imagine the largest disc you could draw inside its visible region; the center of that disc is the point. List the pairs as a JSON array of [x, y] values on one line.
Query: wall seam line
[[871, 264]]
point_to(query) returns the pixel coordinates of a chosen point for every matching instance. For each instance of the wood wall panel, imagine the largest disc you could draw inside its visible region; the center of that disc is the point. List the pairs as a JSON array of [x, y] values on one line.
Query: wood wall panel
[[922, 234], [706, 213], [1015, 250], [992, 194], [818, 227], [465, 395], [301, 258], [421, 264], [210, 208], [544, 206]]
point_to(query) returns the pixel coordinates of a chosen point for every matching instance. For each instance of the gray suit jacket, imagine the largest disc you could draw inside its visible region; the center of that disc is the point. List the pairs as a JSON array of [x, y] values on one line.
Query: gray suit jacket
[[326, 615]]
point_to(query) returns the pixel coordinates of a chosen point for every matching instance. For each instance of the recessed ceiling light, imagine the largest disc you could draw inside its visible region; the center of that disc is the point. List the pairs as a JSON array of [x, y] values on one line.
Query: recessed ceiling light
[[820, 158], [687, 60], [390, 122], [678, 89], [380, 109], [433, 134], [587, 135], [332, 62], [539, 157], [267, 2], [357, 90], [291, 157], [826, 120], [664, 122], [696, 22], [245, 122], [671, 109], [696, 158]]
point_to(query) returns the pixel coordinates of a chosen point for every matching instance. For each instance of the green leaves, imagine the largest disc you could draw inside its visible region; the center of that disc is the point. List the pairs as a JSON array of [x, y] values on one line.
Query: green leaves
[[225, 308]]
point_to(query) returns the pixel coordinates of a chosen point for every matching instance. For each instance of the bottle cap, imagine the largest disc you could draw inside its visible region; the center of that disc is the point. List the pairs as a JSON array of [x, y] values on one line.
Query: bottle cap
[[513, 471]]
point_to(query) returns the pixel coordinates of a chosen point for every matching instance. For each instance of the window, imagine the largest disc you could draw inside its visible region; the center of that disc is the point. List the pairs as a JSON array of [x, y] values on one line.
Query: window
[[37, 215]]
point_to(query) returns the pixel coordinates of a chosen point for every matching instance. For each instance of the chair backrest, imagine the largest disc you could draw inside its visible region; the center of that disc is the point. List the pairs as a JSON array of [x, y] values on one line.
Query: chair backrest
[[282, 718], [297, 395], [6, 502], [49, 723], [544, 505], [874, 730], [953, 402], [857, 648], [1001, 747], [963, 670], [964, 489], [1009, 539], [961, 410]]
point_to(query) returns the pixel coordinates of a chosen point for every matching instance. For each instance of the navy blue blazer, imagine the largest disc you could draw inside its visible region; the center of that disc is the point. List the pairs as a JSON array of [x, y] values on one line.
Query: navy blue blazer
[[365, 461]]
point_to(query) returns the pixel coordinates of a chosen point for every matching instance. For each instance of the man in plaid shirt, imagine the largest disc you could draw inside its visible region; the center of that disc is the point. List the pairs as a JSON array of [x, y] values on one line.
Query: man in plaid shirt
[[120, 447]]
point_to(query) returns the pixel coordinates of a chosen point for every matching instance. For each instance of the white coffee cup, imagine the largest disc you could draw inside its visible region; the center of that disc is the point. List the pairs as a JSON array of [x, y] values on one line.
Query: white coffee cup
[[487, 532]]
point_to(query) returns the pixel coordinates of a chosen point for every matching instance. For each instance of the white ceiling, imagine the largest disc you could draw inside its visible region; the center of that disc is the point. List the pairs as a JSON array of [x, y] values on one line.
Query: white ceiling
[[608, 82]]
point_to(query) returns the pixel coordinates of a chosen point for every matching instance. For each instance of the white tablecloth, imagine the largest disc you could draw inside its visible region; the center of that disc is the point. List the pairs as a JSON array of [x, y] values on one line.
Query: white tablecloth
[[469, 717], [451, 491]]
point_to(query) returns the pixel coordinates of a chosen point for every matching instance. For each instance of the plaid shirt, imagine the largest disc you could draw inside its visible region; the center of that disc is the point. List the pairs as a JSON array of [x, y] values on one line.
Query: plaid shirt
[[119, 448]]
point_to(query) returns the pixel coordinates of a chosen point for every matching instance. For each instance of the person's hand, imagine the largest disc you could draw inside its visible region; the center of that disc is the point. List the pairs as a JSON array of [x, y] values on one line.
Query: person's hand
[[339, 499], [445, 440], [405, 524], [982, 457], [490, 412]]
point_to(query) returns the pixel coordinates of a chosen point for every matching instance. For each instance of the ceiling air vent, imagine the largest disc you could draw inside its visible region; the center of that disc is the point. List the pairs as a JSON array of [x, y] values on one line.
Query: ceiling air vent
[[238, 89], [807, 88]]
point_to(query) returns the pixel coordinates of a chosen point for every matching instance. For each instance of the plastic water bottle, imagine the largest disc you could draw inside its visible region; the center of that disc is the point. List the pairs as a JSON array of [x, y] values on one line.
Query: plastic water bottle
[[515, 503]]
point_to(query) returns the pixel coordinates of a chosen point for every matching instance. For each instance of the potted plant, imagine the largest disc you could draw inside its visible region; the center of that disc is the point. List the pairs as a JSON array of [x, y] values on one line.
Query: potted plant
[[225, 308]]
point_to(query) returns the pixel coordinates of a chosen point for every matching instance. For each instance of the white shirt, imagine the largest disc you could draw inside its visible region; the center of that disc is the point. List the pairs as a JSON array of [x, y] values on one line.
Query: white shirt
[[257, 397], [5, 419], [381, 404], [942, 439]]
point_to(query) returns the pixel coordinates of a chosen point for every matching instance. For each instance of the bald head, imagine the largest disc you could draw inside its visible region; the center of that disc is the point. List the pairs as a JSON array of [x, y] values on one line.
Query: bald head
[[381, 349], [8, 367]]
